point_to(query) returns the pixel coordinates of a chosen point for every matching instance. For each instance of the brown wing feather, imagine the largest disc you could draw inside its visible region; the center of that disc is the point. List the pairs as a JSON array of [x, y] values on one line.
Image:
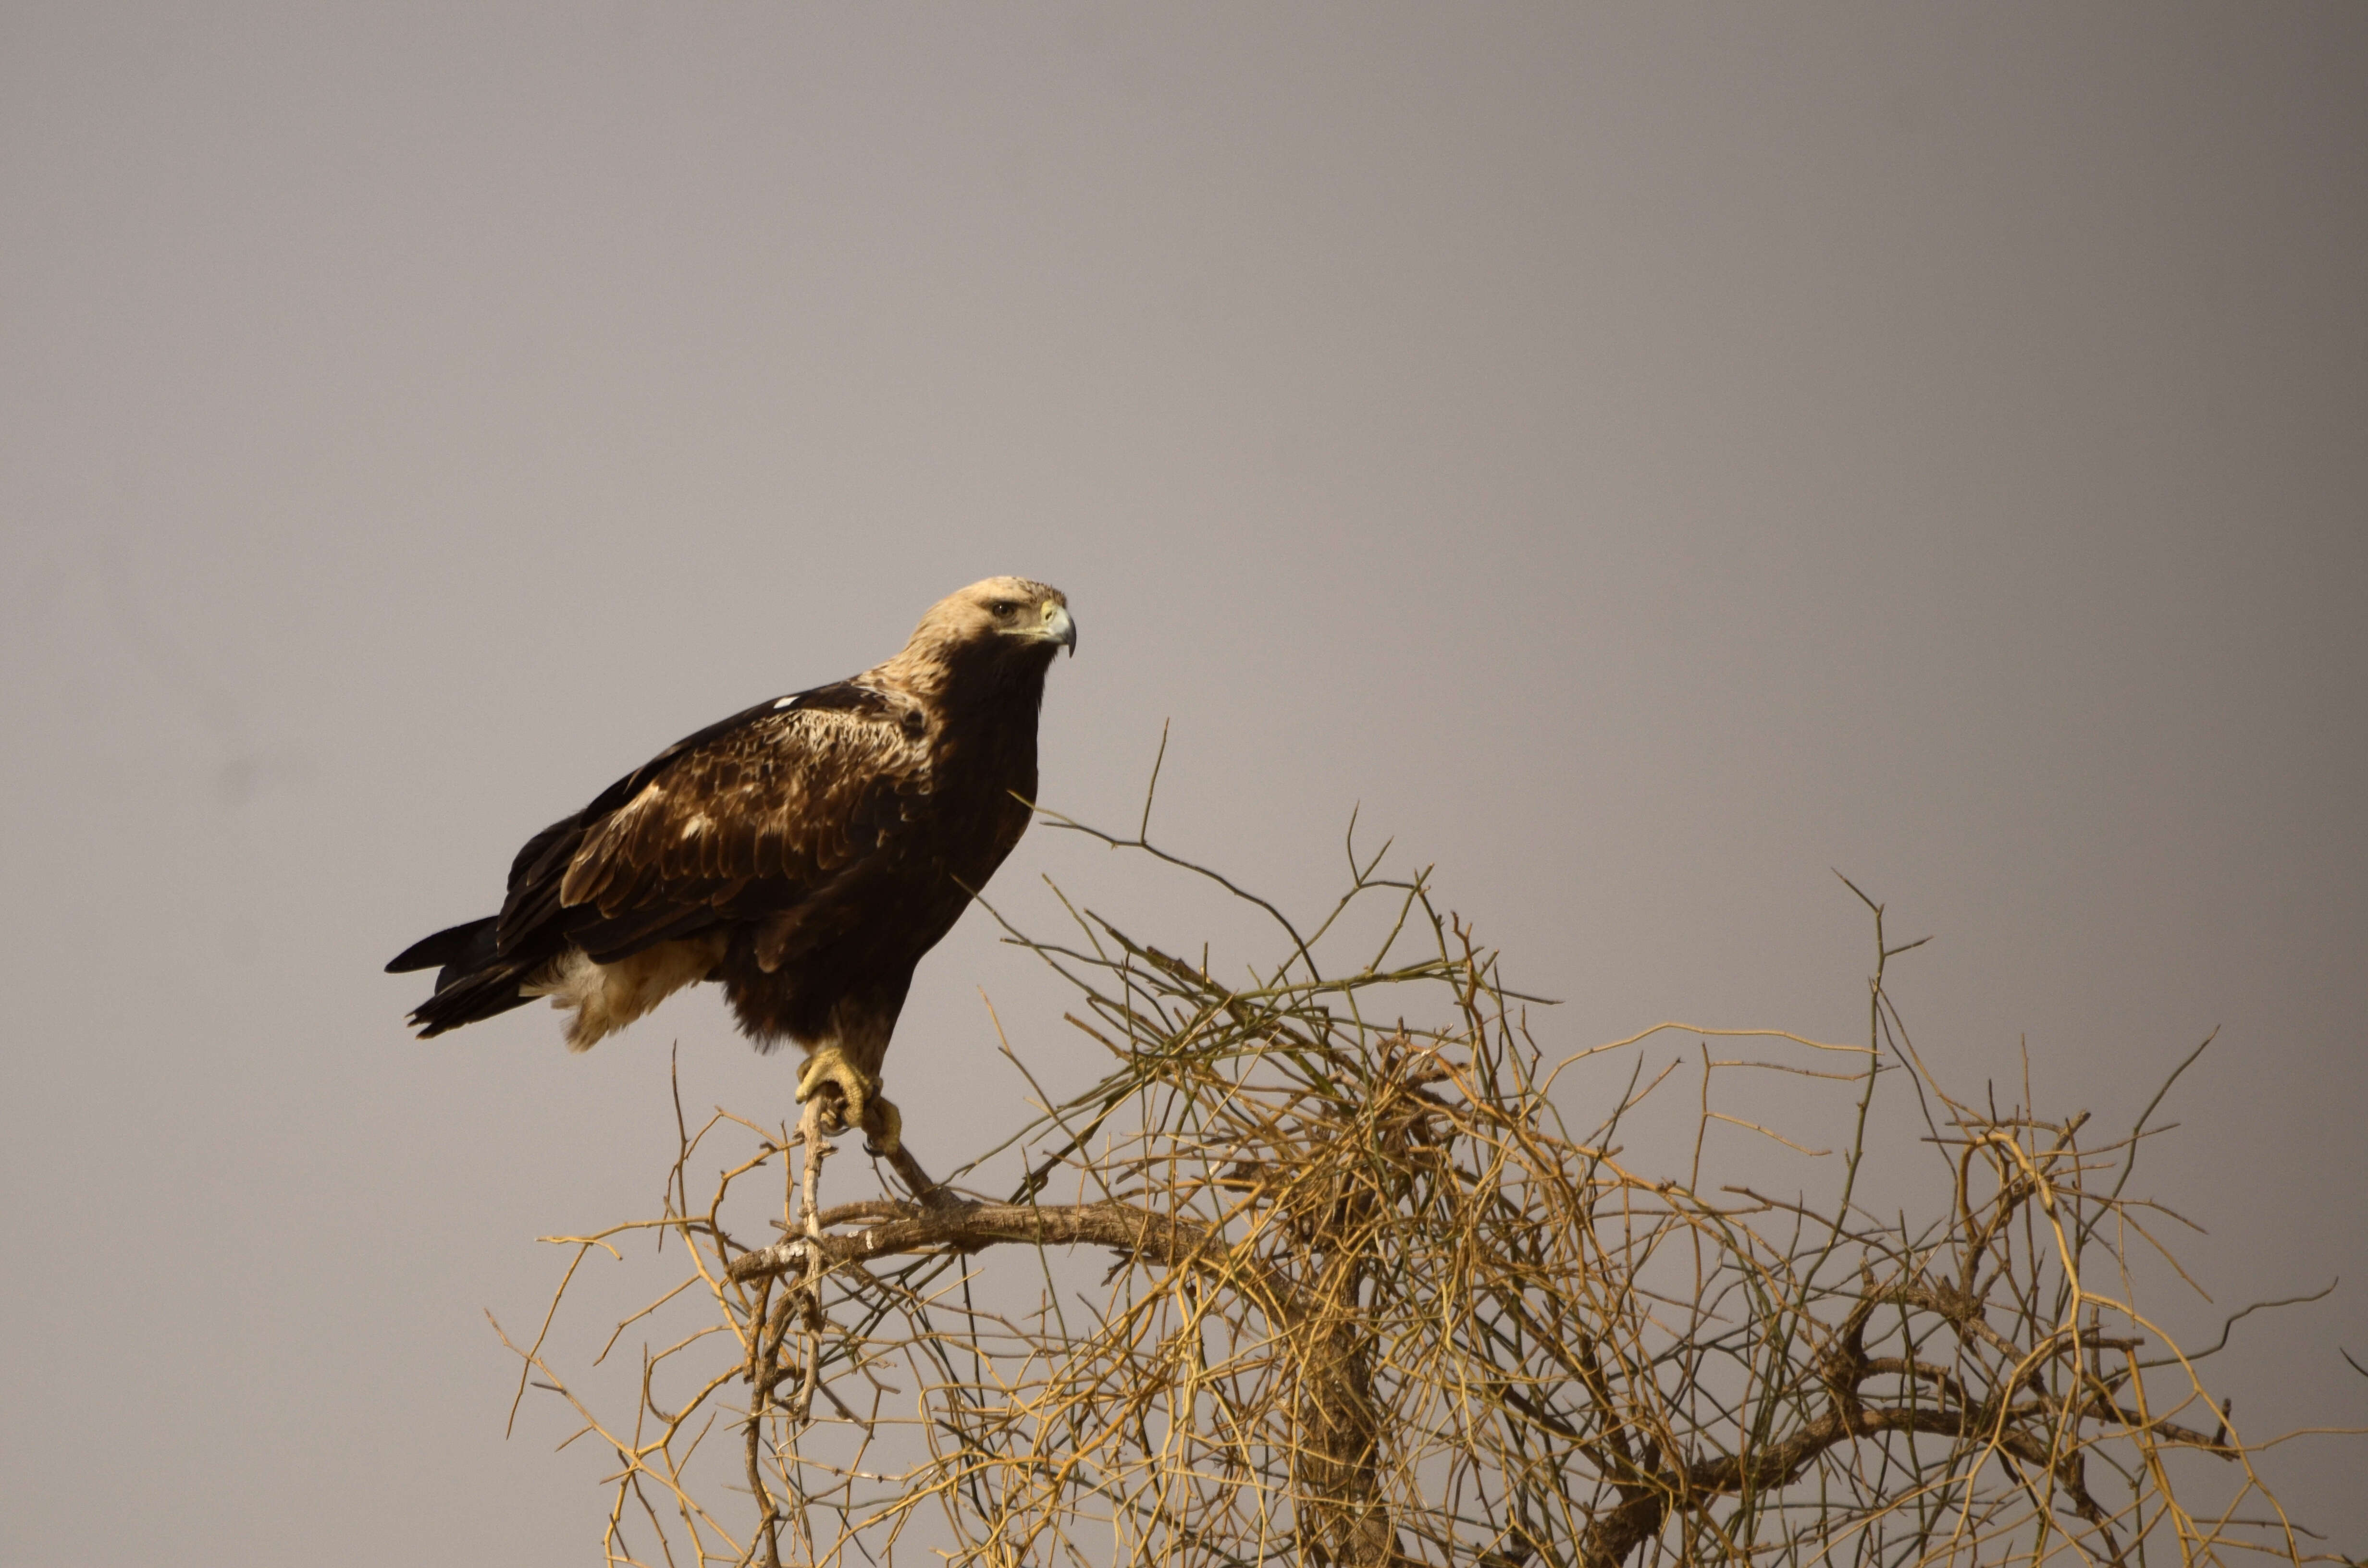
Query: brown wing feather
[[754, 819]]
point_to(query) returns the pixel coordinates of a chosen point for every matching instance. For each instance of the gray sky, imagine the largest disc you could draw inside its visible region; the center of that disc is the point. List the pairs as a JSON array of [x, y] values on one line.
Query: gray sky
[[1648, 457]]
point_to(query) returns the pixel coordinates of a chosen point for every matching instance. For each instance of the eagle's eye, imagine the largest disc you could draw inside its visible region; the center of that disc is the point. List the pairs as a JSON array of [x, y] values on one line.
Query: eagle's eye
[[1001, 607]]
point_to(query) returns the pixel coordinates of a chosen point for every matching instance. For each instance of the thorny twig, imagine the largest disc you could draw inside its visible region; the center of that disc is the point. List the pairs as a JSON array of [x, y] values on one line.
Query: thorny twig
[[1374, 1302]]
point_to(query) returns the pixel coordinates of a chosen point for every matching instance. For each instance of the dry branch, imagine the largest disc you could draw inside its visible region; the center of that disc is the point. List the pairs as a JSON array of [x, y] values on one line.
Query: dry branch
[[1372, 1304]]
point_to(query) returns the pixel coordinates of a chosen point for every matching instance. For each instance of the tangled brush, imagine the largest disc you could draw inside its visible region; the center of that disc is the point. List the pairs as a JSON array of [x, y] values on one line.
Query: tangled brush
[[1371, 1301]]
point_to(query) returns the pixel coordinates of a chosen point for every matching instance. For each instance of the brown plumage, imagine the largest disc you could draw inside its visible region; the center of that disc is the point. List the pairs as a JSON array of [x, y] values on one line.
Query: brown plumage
[[806, 853]]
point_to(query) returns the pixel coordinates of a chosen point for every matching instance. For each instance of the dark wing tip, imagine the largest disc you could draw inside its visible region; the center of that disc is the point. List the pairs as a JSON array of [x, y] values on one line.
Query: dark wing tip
[[453, 943], [411, 959]]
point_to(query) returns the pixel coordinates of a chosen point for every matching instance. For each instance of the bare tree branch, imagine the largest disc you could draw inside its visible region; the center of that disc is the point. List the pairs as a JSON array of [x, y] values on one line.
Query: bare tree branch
[[1372, 1304]]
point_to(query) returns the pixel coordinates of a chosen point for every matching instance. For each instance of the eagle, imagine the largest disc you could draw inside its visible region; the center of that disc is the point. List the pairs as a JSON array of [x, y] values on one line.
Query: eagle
[[804, 852]]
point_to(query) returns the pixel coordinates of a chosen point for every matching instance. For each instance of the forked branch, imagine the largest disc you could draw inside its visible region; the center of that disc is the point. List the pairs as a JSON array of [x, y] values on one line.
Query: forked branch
[[1375, 1303]]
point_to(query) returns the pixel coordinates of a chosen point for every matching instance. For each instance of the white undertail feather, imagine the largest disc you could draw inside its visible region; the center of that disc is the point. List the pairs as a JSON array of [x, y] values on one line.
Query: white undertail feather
[[605, 997]]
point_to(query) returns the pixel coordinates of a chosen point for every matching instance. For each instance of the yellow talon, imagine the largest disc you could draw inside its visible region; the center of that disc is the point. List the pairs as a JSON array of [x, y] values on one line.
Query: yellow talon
[[831, 1065], [860, 1104]]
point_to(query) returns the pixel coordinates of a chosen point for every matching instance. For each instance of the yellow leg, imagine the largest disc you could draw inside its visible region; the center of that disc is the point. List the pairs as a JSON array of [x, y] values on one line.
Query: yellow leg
[[860, 1102]]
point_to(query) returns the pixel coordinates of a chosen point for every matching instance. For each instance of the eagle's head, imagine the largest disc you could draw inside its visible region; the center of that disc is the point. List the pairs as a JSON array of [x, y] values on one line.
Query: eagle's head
[[1000, 619], [999, 634]]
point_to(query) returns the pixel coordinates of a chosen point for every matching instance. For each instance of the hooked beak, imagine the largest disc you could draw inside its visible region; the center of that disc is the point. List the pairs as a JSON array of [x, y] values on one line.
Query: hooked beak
[[1059, 628]]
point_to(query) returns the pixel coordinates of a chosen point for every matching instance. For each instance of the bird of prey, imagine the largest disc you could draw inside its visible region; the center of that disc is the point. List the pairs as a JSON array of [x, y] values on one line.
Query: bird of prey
[[806, 852]]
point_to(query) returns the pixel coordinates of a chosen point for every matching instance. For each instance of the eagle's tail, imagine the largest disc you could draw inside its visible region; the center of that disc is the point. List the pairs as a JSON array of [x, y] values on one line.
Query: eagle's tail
[[469, 944], [473, 980]]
